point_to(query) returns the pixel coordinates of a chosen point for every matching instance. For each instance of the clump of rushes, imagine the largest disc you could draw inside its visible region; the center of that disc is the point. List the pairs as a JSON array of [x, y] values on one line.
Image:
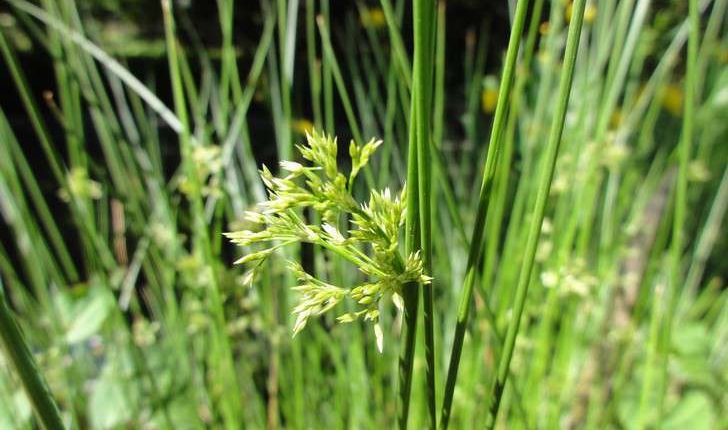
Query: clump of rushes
[[372, 243]]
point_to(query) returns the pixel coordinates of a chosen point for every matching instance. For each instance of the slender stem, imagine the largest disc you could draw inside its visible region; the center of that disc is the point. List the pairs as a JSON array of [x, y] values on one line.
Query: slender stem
[[485, 189], [710, 233], [103, 58], [398, 50], [681, 199], [34, 112], [534, 232], [285, 31], [18, 353], [338, 78], [424, 15], [314, 64], [221, 355], [656, 313], [411, 292], [418, 223], [327, 86]]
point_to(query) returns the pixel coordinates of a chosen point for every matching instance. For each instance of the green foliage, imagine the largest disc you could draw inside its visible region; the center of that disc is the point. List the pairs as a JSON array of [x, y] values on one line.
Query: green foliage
[[597, 302]]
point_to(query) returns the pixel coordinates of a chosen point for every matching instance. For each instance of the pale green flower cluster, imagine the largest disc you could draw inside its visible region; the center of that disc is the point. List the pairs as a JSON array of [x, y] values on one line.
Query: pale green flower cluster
[[80, 185], [365, 234], [208, 163]]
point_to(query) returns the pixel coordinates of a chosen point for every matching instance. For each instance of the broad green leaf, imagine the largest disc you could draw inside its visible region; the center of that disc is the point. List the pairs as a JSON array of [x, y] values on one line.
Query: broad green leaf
[[108, 406], [691, 339], [88, 319], [694, 411]]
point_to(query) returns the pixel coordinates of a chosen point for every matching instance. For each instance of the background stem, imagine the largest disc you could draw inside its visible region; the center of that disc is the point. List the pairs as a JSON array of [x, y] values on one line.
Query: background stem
[[534, 232], [476, 240], [16, 349]]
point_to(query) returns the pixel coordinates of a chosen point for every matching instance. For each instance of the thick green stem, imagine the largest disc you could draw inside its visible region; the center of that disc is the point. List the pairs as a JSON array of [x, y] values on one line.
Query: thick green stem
[[424, 16], [411, 292], [418, 234]]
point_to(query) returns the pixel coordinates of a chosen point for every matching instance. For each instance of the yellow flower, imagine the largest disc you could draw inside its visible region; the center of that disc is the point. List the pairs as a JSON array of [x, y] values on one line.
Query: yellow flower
[[590, 13], [302, 125], [373, 18], [616, 118], [543, 28], [698, 171], [723, 55], [672, 99], [78, 184], [489, 96]]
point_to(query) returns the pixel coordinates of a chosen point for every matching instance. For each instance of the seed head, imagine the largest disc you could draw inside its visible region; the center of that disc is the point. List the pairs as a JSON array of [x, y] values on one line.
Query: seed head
[[372, 245]]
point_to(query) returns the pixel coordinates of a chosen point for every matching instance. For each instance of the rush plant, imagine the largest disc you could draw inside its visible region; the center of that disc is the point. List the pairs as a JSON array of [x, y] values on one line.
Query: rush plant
[[555, 260]]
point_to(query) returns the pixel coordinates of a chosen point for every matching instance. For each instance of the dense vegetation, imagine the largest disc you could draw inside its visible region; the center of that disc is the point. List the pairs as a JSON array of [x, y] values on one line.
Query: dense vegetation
[[525, 238]]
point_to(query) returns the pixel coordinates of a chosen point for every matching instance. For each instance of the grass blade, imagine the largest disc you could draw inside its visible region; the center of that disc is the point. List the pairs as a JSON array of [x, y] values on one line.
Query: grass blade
[[19, 354]]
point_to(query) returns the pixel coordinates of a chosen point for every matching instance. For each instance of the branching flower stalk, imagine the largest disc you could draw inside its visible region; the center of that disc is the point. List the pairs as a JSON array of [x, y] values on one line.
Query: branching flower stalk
[[372, 243]]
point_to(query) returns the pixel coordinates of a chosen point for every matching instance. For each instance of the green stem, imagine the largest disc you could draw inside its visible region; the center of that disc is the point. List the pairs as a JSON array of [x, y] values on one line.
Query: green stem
[[18, 353], [681, 199], [314, 64], [338, 78], [326, 76], [534, 232], [424, 15], [485, 191], [398, 50], [411, 292], [221, 356], [285, 30]]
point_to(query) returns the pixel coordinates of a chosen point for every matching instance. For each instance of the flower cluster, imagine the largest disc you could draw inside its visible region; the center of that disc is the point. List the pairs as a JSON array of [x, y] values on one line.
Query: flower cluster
[[369, 238], [80, 185], [208, 164], [572, 279]]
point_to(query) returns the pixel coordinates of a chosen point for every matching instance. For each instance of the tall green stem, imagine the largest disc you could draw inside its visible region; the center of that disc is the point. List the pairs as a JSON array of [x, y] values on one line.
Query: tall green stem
[[474, 252], [534, 231], [221, 355], [424, 16], [18, 353], [681, 191], [418, 223], [411, 293]]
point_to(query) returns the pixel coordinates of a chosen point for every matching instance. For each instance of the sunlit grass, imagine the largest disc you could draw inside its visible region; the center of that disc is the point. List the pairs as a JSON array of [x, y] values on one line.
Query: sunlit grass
[[580, 285]]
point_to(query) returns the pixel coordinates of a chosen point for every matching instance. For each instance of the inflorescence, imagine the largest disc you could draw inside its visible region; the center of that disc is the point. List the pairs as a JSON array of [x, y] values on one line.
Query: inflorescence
[[369, 238]]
